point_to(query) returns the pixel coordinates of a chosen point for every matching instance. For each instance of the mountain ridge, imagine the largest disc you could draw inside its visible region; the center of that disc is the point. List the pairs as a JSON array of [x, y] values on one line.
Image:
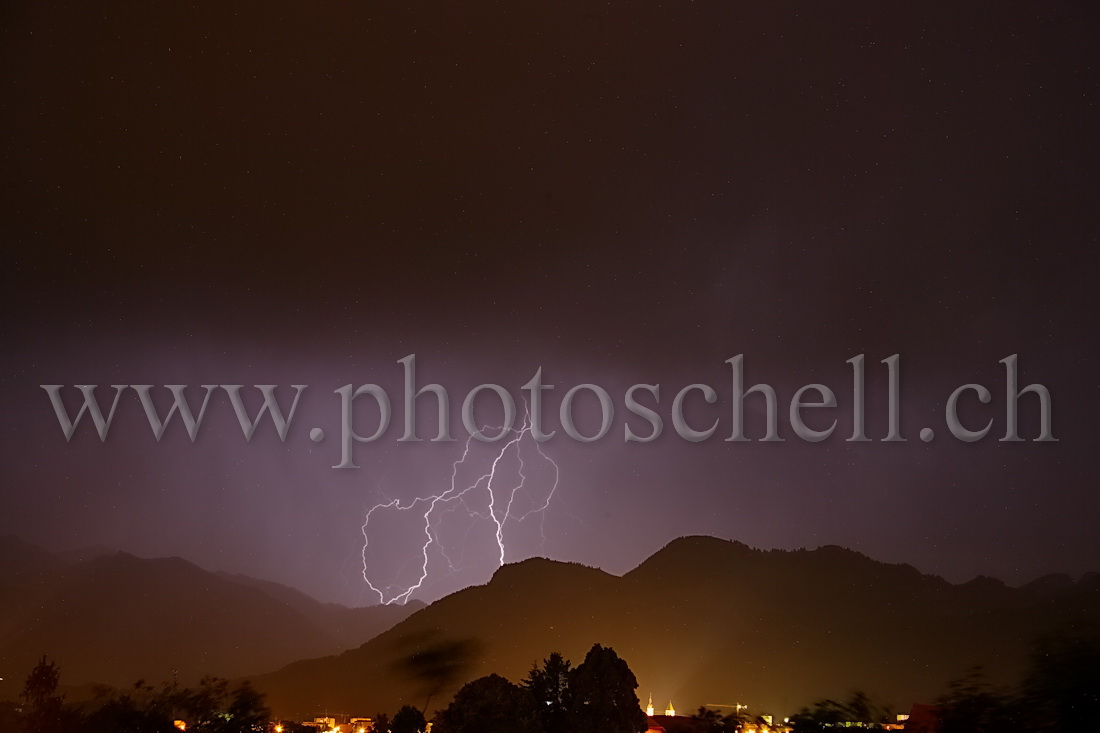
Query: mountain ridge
[[704, 618], [116, 618], [688, 618]]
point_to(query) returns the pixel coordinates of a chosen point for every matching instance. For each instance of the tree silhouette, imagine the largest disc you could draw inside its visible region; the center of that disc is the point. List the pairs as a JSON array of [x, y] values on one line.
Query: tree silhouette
[[247, 711], [972, 705], [827, 714], [549, 686], [713, 721], [137, 710], [214, 708], [1060, 693], [490, 703], [44, 713], [408, 720], [125, 714], [603, 698]]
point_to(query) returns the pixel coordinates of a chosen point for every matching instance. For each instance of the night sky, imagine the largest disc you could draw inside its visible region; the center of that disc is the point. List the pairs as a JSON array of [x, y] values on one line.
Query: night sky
[[619, 193]]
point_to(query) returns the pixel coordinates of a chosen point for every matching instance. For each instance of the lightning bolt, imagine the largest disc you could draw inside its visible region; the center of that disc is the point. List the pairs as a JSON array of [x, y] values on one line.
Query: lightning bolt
[[433, 508]]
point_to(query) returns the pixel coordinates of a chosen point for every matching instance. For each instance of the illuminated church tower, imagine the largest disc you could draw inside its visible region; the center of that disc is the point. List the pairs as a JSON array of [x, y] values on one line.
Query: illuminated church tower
[[670, 711], [649, 707]]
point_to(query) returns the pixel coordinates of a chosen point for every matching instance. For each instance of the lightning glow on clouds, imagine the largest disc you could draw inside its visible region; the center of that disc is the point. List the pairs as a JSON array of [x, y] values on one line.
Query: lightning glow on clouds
[[499, 493]]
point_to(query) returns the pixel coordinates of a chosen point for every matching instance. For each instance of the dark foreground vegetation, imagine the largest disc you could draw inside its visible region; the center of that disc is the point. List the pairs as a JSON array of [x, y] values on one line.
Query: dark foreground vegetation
[[213, 707], [1059, 693]]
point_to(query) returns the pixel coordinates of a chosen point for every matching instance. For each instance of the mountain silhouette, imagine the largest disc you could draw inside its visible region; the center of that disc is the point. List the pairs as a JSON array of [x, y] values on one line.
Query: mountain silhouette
[[117, 618], [710, 621]]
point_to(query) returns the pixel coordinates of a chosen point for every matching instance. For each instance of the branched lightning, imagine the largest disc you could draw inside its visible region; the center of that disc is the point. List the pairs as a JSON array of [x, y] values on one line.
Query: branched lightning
[[434, 507]]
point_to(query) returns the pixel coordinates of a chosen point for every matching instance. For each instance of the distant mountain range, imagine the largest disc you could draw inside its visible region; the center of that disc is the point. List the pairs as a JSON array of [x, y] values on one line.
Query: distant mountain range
[[701, 621], [112, 618], [711, 621]]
